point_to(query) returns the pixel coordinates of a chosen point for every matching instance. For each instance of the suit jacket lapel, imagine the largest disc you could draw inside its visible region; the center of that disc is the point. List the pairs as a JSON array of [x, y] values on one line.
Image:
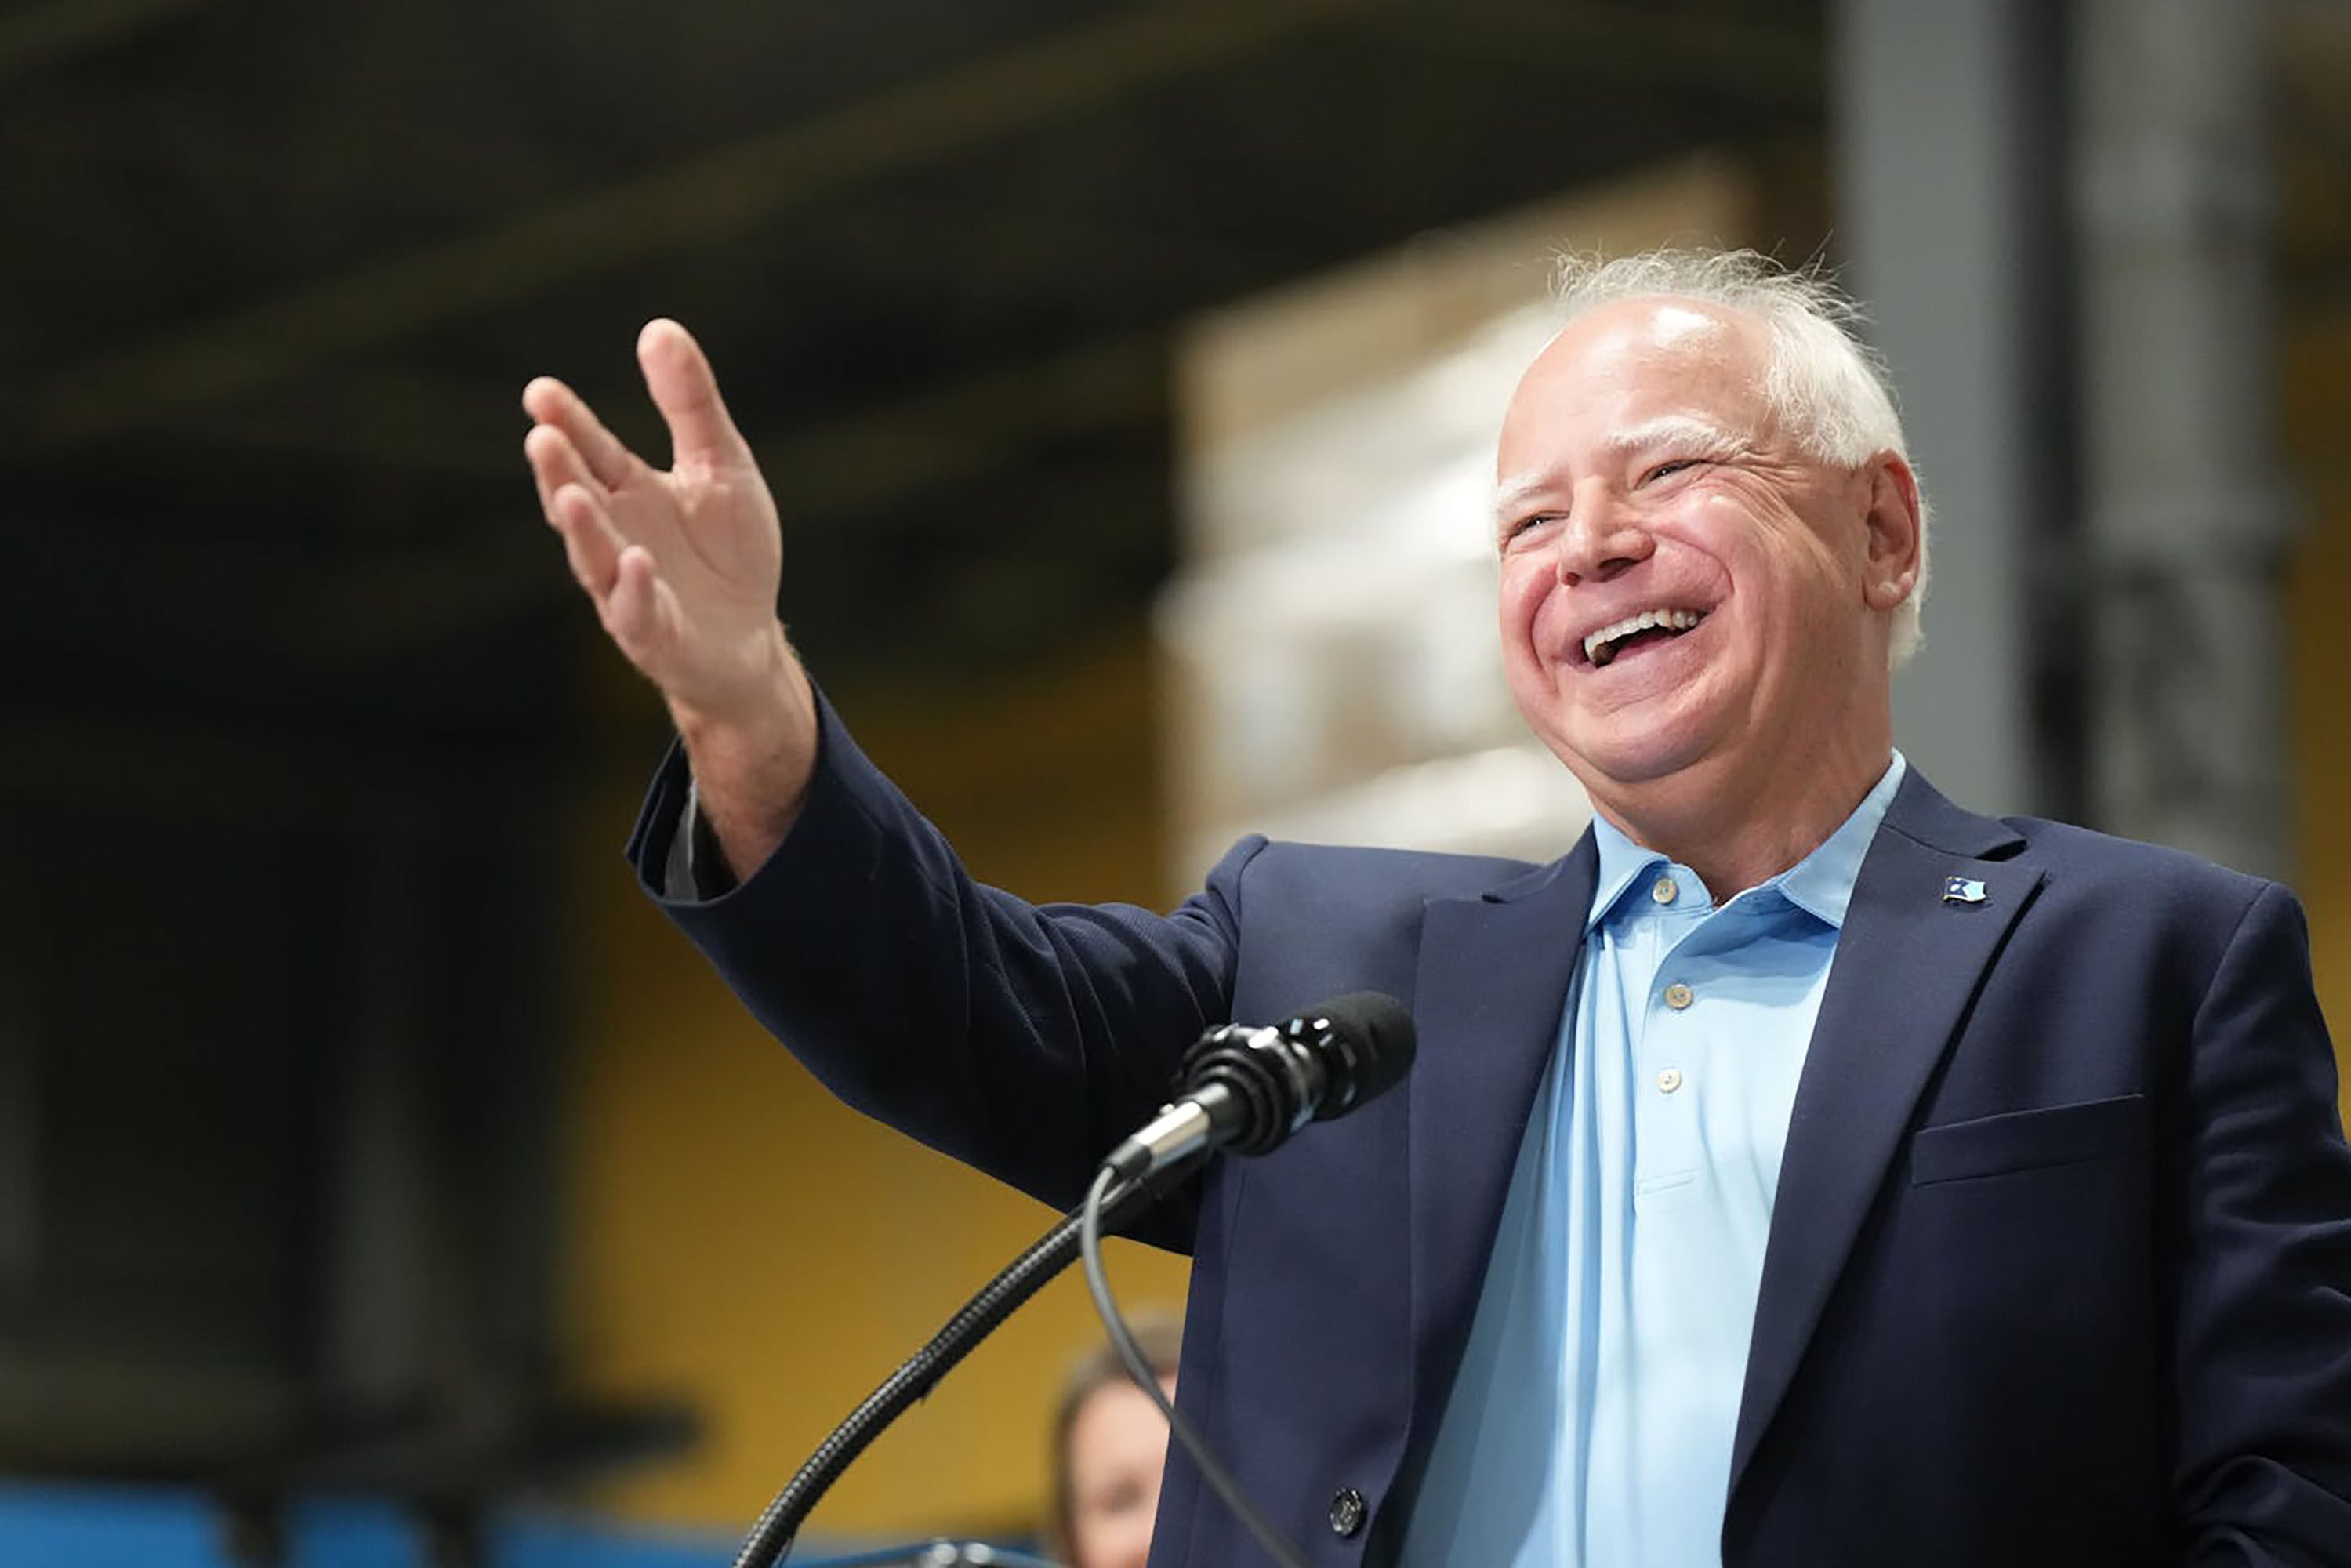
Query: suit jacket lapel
[[1492, 979], [1908, 963]]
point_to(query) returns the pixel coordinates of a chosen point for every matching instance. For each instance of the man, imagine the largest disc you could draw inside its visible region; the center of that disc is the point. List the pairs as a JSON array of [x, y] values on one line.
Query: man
[[1804, 1170]]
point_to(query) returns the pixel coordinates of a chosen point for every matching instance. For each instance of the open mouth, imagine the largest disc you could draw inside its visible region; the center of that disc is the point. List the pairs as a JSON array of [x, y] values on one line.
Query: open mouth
[[1604, 646]]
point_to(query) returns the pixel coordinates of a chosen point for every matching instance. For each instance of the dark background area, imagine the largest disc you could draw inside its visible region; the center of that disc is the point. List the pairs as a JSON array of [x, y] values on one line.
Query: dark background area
[[299, 698]]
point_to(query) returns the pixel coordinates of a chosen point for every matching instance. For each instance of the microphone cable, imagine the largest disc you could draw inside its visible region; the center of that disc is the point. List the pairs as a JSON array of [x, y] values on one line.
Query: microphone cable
[[1138, 1368], [1320, 1064]]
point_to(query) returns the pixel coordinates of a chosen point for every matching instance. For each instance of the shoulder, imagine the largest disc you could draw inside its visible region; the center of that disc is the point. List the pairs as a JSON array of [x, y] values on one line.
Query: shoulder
[[2191, 915], [2106, 860], [1261, 865], [2098, 874], [2091, 910]]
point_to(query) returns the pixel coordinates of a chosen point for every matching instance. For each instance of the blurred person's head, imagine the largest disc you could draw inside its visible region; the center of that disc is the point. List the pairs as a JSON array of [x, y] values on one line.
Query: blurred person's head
[[1110, 1444]]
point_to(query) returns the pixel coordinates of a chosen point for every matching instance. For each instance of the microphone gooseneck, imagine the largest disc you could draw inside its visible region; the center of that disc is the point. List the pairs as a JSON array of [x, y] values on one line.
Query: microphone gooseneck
[[1247, 1089], [771, 1535]]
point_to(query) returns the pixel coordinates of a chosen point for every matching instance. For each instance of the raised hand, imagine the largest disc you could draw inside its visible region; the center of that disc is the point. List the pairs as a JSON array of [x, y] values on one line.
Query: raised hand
[[683, 567]]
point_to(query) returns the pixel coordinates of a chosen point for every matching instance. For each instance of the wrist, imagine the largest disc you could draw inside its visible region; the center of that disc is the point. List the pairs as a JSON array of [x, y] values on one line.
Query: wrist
[[752, 762], [762, 697]]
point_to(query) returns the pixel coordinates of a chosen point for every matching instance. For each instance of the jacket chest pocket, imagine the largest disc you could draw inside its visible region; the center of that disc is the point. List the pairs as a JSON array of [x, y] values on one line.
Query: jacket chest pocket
[[2030, 1140]]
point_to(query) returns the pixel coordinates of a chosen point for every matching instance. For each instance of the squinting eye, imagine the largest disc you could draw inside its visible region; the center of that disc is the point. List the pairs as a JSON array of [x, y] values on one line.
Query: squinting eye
[[1667, 469]]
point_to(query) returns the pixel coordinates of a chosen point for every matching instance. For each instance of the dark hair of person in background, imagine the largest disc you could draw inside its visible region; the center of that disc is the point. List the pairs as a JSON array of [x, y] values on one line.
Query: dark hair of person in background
[[1105, 1477]]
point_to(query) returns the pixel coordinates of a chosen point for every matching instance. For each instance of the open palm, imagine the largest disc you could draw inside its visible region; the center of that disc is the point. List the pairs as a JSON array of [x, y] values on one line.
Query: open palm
[[683, 565]]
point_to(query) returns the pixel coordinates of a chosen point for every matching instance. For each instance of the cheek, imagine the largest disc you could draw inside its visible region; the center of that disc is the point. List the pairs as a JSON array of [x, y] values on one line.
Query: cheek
[[1524, 594]]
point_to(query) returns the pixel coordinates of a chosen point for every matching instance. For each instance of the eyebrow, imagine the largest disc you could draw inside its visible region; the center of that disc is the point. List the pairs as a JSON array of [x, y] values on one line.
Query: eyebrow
[[1701, 435]]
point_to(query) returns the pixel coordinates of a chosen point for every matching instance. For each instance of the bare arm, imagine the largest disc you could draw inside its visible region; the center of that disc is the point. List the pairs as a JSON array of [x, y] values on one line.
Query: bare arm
[[683, 567]]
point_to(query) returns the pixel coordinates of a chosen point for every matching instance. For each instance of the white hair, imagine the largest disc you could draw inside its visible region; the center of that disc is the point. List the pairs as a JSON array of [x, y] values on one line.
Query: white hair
[[1827, 389]]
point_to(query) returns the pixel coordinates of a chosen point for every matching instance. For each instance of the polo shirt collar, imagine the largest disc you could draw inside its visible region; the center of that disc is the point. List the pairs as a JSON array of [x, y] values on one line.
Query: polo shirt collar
[[1820, 883]]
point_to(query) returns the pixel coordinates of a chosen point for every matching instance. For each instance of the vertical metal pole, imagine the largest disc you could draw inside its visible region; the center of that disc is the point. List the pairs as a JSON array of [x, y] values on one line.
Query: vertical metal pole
[[1948, 231], [378, 1288], [21, 1128], [2186, 523]]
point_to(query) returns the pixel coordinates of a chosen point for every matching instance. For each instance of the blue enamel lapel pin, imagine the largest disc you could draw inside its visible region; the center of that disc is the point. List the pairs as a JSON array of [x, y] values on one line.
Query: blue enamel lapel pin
[[1962, 890]]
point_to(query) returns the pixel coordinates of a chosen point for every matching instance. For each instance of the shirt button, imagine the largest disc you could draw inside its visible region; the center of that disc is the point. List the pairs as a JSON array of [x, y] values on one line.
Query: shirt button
[[1664, 891], [1678, 996], [1669, 1080], [1347, 1511]]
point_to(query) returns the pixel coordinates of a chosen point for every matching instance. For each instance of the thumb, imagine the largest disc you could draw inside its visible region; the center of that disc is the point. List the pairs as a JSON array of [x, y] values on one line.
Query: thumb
[[685, 391]]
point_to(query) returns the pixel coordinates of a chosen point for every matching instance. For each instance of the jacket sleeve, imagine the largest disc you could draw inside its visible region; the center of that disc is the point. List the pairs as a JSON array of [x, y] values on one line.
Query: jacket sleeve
[[1025, 1039], [2262, 1353]]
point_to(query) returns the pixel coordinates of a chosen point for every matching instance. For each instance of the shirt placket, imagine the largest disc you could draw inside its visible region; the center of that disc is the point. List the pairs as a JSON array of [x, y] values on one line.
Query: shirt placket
[[1666, 1065]]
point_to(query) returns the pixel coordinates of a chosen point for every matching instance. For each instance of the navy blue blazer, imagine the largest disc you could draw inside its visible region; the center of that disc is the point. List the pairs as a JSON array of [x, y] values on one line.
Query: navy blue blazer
[[2060, 1266]]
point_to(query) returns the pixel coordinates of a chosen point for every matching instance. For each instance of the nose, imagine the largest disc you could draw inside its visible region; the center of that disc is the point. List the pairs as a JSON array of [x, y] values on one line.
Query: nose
[[1601, 539]]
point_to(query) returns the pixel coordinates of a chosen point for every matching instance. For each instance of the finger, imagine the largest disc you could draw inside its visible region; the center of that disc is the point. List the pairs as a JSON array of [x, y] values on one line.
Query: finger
[[550, 402], [555, 463], [685, 390], [631, 613], [590, 542]]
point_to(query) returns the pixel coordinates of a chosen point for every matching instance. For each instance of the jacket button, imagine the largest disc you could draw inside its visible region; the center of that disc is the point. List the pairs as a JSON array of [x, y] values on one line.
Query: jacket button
[[1347, 1511]]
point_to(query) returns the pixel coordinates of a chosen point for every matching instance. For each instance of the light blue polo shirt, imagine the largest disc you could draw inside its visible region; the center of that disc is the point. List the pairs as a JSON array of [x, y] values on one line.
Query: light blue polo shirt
[[1593, 1420]]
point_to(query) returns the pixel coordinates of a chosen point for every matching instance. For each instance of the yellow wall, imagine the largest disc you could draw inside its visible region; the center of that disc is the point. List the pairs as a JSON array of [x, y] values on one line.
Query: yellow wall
[[742, 1242], [2316, 352]]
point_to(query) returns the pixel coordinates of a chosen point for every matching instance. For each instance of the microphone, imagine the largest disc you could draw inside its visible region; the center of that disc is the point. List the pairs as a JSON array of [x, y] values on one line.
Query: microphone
[[1250, 1089]]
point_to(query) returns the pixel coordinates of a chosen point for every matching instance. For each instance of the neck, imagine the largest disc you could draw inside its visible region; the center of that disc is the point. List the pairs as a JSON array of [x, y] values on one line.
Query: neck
[[1737, 831]]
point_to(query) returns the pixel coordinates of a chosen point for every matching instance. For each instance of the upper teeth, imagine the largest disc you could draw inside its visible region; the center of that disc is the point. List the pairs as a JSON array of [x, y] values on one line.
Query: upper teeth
[[1596, 647]]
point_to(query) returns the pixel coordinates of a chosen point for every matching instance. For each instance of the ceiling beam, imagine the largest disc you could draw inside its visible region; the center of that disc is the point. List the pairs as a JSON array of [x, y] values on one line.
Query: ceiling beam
[[1634, 48], [35, 36], [337, 610], [859, 461], [710, 199]]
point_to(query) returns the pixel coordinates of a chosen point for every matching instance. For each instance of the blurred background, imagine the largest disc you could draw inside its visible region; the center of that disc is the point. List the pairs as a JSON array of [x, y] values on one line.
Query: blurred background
[[381, 1181]]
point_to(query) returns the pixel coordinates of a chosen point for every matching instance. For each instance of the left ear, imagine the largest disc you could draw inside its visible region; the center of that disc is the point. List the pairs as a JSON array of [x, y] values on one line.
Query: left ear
[[1896, 537]]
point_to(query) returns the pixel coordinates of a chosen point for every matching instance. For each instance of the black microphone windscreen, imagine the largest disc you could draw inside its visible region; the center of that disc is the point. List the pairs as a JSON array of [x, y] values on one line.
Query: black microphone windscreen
[[1371, 1042]]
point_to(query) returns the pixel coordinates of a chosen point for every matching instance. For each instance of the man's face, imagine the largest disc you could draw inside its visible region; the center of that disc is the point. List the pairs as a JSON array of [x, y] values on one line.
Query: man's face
[[1643, 476]]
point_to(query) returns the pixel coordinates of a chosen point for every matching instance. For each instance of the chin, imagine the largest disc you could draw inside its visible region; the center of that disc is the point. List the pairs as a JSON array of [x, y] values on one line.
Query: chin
[[1605, 765], [1626, 765], [1619, 748]]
